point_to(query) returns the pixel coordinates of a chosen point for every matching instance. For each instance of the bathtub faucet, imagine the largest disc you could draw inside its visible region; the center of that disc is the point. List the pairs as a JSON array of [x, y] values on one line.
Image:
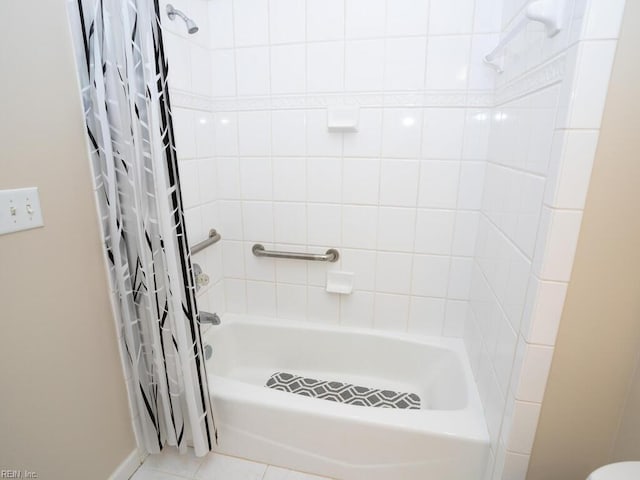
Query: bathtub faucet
[[212, 318]]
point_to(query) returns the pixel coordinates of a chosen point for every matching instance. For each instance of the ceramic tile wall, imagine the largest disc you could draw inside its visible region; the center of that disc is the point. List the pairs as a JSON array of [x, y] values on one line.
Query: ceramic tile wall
[[544, 133], [399, 198], [189, 59], [404, 198]]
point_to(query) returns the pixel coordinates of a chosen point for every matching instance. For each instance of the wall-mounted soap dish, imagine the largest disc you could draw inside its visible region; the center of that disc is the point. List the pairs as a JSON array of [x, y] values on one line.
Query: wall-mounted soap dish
[[343, 119]]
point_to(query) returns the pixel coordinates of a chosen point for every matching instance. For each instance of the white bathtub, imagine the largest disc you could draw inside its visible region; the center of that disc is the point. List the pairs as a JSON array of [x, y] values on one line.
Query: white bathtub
[[446, 439]]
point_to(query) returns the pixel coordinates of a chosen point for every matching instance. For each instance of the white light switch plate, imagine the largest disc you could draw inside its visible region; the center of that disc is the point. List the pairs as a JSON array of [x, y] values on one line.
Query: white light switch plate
[[20, 210]]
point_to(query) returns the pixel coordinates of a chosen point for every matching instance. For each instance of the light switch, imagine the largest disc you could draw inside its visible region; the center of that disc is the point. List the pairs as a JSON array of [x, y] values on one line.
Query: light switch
[[20, 210]]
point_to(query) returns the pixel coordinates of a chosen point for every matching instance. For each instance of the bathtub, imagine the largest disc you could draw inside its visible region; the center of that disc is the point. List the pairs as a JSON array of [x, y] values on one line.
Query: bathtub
[[445, 439]]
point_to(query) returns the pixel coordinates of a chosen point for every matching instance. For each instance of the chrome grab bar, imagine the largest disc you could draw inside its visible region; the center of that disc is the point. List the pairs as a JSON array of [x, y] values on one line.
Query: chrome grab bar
[[214, 237], [332, 255]]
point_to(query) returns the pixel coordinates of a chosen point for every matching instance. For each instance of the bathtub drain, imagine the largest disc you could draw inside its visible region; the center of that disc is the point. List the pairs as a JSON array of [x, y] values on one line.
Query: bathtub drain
[[342, 392]]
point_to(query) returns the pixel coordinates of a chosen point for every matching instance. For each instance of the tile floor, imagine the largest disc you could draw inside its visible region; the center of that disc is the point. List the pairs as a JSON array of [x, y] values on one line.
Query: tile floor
[[169, 465]]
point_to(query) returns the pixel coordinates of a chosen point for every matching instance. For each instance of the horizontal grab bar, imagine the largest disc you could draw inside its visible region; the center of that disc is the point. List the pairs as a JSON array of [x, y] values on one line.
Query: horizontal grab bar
[[332, 255], [214, 237]]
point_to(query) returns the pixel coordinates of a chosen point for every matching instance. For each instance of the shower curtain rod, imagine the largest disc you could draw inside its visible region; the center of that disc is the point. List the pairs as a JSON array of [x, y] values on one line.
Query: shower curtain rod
[[547, 12]]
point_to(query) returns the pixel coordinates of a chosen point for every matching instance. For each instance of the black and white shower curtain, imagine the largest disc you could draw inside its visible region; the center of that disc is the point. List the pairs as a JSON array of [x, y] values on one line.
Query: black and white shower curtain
[[123, 76]]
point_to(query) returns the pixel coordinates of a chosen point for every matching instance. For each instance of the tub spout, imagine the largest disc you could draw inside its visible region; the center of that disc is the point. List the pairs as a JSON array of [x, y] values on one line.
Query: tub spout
[[212, 318]]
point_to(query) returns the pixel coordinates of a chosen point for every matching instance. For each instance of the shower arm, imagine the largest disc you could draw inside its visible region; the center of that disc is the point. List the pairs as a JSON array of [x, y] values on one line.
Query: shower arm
[[172, 12]]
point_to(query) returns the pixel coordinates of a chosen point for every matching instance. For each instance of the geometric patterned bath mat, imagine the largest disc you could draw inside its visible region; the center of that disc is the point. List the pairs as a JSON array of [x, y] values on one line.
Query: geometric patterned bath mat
[[342, 392]]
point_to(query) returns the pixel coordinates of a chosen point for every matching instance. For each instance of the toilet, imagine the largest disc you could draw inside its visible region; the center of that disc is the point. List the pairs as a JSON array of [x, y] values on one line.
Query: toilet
[[617, 471]]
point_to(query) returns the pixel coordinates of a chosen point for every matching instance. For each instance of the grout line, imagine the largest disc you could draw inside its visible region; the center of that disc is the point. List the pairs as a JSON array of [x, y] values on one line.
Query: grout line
[[270, 158], [521, 170], [306, 165], [455, 224], [506, 237], [237, 123], [364, 39]]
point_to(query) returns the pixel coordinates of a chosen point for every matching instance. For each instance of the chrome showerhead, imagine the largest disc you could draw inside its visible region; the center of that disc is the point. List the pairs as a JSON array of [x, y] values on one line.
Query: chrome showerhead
[[172, 12], [191, 26]]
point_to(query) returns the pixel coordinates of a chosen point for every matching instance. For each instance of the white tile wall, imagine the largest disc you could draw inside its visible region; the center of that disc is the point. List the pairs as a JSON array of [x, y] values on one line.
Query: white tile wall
[[252, 71], [386, 214], [325, 66], [427, 315], [288, 132], [443, 133], [287, 21], [405, 198], [357, 310], [254, 133], [393, 272], [572, 157], [448, 62], [524, 421], [393, 197], [368, 140], [391, 312], [364, 65], [543, 309], [399, 182], [288, 69], [251, 22], [407, 17], [401, 133], [325, 19], [451, 17], [322, 307], [360, 181], [591, 72], [430, 275], [396, 229], [404, 63], [439, 182], [364, 18], [540, 155], [289, 179], [359, 225], [434, 231]]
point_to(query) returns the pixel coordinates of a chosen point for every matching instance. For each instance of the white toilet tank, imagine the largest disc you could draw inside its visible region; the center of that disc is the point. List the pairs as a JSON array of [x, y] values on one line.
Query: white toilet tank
[[617, 471]]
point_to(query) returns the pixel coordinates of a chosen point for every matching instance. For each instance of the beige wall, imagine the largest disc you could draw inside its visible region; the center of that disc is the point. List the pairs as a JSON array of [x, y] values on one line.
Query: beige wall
[[599, 334], [63, 407], [627, 443]]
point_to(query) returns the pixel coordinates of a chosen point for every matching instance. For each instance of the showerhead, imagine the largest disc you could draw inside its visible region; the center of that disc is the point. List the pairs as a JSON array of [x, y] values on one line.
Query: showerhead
[[191, 26], [172, 12]]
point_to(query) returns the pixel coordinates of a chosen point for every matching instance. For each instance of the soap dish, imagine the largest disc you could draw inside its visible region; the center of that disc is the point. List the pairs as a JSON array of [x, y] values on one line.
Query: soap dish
[[340, 282]]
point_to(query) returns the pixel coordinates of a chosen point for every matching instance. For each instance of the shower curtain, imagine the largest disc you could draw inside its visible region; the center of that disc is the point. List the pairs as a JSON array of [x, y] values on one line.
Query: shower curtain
[[123, 77]]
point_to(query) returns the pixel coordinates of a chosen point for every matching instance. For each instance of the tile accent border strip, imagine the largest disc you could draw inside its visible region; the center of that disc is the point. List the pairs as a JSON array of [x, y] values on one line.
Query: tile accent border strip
[[544, 76], [480, 99], [550, 73]]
